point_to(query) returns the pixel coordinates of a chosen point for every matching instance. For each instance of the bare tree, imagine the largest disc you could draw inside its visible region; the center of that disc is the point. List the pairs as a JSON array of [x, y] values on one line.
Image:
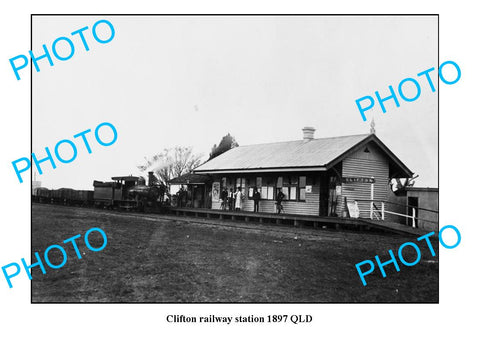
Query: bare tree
[[171, 163]]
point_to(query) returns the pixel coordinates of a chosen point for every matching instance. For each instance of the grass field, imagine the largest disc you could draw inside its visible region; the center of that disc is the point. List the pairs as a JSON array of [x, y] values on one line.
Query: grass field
[[154, 258]]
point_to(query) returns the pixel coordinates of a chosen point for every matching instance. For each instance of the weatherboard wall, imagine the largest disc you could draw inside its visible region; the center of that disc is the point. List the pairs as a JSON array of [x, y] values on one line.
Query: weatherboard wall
[[310, 206], [371, 163]]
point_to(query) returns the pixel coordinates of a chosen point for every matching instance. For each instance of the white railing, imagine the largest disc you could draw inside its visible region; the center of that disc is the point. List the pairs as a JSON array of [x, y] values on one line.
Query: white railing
[[379, 214], [413, 216]]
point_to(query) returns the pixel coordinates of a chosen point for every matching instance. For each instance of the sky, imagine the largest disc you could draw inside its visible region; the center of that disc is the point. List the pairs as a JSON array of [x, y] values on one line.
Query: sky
[[165, 81]]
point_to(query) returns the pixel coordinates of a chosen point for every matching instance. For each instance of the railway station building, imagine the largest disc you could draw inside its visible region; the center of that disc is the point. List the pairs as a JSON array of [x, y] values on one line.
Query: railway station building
[[318, 176]]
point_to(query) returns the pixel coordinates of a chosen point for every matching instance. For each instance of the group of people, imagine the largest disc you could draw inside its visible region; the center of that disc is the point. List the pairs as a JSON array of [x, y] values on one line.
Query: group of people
[[233, 200], [182, 197], [230, 200]]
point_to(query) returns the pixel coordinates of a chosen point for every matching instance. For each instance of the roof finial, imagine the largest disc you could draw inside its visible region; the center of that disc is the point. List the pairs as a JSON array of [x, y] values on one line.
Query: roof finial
[[372, 126]]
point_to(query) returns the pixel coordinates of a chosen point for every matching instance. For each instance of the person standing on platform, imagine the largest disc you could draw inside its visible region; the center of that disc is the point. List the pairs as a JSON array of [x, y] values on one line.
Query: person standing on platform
[[256, 200], [280, 197], [224, 198], [181, 197], [238, 199], [231, 200]]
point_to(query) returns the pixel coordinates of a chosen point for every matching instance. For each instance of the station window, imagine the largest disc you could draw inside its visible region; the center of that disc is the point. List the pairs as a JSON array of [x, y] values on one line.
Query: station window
[[265, 186], [259, 182], [288, 186], [240, 182], [293, 187], [255, 183], [302, 183]]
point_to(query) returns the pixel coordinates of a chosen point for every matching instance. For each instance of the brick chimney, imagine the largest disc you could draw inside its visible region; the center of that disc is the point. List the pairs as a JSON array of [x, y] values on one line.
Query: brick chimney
[[308, 133]]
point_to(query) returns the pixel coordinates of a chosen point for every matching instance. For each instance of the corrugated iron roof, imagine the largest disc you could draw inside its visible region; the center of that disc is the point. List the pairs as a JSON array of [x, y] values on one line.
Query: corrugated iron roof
[[314, 153]]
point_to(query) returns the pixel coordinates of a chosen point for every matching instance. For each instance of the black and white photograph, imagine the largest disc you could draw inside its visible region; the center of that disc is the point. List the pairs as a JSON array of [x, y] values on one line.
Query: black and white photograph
[[235, 159], [255, 174]]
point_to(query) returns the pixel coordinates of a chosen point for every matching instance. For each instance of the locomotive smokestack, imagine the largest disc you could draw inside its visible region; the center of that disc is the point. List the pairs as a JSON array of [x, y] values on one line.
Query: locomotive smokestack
[[151, 179]]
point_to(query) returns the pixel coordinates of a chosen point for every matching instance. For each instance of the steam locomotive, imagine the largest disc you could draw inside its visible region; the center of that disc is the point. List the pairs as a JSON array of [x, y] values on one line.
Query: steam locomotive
[[124, 192]]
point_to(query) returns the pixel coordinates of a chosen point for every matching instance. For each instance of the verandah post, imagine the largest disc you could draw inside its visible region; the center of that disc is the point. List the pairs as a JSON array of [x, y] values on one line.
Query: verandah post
[[413, 217], [371, 199]]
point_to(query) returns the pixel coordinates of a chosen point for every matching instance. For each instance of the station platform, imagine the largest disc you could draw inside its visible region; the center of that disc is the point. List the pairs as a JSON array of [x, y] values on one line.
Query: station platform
[[300, 220]]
